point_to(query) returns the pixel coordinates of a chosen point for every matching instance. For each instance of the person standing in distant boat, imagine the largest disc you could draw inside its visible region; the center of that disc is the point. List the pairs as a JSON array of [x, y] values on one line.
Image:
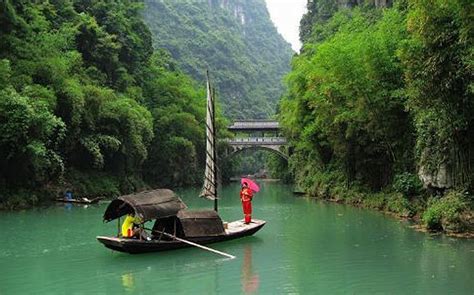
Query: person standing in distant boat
[[246, 196]]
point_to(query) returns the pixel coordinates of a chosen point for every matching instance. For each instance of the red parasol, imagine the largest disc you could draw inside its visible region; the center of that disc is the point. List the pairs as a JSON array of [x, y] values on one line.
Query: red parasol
[[252, 185]]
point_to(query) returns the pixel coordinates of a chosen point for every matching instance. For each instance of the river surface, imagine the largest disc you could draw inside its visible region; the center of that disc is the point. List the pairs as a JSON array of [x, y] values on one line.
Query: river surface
[[306, 247]]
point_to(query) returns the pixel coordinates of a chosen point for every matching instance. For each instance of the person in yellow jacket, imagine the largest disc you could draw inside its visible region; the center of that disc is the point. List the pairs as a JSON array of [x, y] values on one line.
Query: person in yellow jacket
[[130, 227]]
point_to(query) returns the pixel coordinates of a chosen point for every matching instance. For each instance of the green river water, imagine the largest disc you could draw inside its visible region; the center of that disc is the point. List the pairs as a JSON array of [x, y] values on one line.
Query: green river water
[[306, 247]]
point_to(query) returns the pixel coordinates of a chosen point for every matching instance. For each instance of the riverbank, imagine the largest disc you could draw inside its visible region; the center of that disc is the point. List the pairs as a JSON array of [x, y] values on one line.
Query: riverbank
[[451, 213], [82, 185]]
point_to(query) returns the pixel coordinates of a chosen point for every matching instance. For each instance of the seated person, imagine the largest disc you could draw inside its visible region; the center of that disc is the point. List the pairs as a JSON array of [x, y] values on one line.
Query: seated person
[[131, 228]]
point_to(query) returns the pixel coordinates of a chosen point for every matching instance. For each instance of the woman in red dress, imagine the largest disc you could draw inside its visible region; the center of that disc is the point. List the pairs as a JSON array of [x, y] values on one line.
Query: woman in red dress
[[246, 196]]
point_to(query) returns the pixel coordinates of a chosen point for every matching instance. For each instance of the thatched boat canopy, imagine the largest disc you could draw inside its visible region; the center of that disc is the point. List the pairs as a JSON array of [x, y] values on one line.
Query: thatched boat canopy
[[201, 223], [147, 205]]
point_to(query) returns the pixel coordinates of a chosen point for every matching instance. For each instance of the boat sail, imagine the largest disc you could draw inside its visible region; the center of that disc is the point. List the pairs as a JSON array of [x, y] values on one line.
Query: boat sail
[[209, 189]]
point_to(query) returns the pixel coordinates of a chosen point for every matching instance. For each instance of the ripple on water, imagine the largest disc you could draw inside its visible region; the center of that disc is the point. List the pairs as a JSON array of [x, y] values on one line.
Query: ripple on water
[[5, 253]]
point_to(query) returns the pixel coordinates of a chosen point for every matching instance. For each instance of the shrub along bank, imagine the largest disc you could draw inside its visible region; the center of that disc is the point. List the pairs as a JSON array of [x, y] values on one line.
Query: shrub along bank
[[452, 213]]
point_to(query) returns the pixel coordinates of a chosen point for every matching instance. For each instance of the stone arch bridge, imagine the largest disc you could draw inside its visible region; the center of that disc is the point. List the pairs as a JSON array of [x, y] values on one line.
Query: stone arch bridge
[[257, 134]]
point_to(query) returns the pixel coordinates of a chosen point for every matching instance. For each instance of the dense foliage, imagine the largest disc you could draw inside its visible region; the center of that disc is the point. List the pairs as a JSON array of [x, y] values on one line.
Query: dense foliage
[[439, 71], [87, 105], [381, 98], [446, 213], [236, 40], [258, 163], [348, 114]]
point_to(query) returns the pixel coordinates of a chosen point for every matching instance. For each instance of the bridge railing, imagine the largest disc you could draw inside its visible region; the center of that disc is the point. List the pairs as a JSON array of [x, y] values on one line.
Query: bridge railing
[[257, 140], [255, 124]]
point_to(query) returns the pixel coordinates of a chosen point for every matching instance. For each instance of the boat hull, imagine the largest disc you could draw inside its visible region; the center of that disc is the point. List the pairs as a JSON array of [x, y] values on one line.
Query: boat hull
[[236, 229], [79, 201]]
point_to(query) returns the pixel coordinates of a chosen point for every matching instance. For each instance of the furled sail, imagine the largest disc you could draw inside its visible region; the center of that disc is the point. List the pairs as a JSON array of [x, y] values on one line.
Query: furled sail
[[209, 189]]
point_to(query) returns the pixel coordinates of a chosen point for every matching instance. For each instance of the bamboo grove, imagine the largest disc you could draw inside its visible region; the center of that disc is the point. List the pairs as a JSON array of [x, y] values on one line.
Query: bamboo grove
[[381, 98]]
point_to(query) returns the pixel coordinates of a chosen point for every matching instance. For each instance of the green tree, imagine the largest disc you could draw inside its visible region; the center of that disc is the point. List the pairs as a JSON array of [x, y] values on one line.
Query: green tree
[[29, 142], [86, 105], [439, 73], [347, 109]]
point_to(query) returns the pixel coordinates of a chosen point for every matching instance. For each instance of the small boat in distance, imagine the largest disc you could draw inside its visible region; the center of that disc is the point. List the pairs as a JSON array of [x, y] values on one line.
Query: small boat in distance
[[299, 193], [174, 226], [82, 200]]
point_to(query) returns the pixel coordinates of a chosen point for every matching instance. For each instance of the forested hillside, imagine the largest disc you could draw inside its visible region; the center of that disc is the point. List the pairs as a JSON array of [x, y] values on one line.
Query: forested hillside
[[236, 40], [87, 105], [381, 100]]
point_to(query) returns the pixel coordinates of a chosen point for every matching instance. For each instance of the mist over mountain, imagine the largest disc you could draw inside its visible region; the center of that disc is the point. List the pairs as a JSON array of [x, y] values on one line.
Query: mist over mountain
[[235, 39]]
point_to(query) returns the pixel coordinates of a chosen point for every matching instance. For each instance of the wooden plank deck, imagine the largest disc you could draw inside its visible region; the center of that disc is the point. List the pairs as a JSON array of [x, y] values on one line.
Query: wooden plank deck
[[239, 225]]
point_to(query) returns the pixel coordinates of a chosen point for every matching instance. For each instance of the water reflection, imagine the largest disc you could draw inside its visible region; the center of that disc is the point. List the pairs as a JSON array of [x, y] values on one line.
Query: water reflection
[[68, 206], [249, 279], [128, 281], [72, 206]]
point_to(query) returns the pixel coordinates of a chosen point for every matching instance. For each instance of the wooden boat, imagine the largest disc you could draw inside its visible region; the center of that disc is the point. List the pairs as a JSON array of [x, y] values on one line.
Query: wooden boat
[[80, 201], [172, 219], [174, 226], [237, 229], [299, 193]]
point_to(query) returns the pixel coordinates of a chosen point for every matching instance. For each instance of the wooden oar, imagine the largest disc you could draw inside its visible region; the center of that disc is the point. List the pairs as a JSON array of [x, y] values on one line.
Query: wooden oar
[[197, 245]]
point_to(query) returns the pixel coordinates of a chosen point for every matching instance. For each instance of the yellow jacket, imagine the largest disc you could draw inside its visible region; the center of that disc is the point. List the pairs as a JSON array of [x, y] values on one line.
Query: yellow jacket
[[127, 225]]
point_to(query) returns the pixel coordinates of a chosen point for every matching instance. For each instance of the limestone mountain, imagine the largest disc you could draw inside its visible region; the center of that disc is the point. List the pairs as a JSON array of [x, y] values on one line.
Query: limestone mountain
[[235, 39]]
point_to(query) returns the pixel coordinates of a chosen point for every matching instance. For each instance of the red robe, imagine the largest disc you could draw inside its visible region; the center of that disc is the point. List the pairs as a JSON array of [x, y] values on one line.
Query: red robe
[[246, 196]]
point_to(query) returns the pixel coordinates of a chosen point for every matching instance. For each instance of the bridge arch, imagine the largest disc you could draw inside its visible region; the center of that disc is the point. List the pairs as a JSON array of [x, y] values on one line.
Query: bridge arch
[[237, 150], [260, 134]]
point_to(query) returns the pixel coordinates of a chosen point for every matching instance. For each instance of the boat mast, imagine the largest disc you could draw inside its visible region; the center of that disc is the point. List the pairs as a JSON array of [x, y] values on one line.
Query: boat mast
[[214, 144]]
